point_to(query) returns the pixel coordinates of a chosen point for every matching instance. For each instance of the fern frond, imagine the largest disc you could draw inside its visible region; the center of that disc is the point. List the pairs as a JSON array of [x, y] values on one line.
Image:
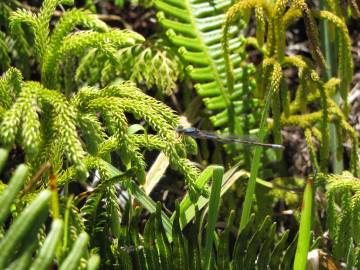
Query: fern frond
[[195, 28], [102, 219], [90, 209]]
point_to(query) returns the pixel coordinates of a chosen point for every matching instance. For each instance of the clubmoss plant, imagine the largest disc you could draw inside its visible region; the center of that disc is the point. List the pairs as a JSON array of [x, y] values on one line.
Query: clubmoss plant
[[77, 130]]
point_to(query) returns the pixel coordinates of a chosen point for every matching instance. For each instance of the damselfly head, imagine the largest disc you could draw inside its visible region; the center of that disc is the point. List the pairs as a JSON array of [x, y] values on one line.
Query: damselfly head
[[180, 129], [191, 131]]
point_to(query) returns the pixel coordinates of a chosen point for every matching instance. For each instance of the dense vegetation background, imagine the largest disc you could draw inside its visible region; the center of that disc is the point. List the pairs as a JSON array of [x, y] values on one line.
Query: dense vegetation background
[[94, 174]]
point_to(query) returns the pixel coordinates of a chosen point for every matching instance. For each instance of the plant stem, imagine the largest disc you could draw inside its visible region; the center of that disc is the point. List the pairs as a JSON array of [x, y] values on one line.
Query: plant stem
[[329, 51]]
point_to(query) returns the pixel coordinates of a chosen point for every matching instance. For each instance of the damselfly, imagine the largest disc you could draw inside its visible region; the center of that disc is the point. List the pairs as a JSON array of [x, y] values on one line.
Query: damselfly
[[201, 134]]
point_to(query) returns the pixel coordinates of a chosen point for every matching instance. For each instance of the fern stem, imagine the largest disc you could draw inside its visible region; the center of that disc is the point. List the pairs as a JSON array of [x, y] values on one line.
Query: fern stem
[[229, 80], [324, 151], [54, 197], [250, 190]]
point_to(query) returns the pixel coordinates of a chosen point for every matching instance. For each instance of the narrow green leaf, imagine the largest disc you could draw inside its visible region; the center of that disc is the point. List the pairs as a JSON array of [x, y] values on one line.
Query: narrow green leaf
[[125, 260], [275, 257], [288, 258], [139, 256], [10, 193], [72, 261], [223, 258], [22, 225], [161, 241], [255, 243], [241, 245], [22, 263], [47, 251], [350, 257], [266, 248], [250, 190], [188, 209], [193, 243], [305, 228], [178, 245], [151, 253], [213, 213]]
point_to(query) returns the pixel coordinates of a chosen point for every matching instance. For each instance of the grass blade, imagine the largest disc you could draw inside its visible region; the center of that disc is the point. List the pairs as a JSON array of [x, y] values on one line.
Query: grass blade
[[250, 190], [10, 193], [22, 225], [73, 259], [213, 213], [48, 249], [305, 228]]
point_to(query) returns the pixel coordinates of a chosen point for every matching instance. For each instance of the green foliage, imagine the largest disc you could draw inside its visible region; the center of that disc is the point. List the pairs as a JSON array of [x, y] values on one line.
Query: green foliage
[[75, 128], [255, 247], [87, 119], [91, 124], [152, 63], [115, 236], [59, 47], [26, 235], [311, 89], [343, 214], [13, 50]]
